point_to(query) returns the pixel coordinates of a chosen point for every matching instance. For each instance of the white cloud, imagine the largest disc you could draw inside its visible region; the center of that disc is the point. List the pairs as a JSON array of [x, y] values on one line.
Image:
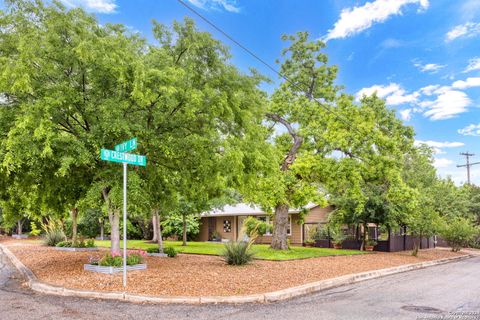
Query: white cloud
[[406, 114], [357, 19], [430, 89], [393, 94], [471, 130], [228, 5], [465, 84], [447, 105], [436, 102], [101, 6], [391, 43], [429, 67], [473, 64], [468, 30], [442, 162], [440, 144]]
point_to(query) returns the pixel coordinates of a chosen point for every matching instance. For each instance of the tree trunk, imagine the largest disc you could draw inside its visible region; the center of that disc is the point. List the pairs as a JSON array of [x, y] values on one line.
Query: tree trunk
[[74, 215], [364, 242], [19, 226], [415, 248], [279, 238], [154, 223], [102, 230], [184, 217], [114, 218], [158, 231]]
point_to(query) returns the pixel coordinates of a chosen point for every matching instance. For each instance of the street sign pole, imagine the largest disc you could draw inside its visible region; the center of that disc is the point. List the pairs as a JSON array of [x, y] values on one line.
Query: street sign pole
[[120, 155], [124, 224]]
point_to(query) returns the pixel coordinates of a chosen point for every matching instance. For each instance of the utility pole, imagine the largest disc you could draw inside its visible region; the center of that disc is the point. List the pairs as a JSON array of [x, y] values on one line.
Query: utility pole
[[468, 164]]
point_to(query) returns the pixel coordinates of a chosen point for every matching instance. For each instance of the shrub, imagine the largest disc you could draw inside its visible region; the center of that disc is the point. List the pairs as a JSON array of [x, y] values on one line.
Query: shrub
[[320, 233], [255, 227], [111, 260], [337, 235], [90, 243], [80, 243], [34, 230], [53, 237], [173, 226], [116, 260], [53, 233], [64, 244], [170, 251], [153, 250], [237, 253], [459, 232]]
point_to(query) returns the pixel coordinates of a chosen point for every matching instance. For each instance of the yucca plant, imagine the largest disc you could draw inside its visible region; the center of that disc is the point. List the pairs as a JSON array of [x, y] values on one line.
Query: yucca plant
[[53, 233], [237, 253]]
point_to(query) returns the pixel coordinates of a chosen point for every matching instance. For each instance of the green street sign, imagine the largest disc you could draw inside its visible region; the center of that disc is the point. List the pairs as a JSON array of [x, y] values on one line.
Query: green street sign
[[127, 145], [122, 157]]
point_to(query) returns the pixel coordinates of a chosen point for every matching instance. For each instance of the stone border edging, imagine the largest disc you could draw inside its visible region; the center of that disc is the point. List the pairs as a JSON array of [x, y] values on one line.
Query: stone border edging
[[274, 296]]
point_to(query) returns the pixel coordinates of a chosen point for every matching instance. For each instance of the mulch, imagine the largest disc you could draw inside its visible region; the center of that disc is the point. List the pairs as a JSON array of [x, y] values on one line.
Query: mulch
[[194, 275]]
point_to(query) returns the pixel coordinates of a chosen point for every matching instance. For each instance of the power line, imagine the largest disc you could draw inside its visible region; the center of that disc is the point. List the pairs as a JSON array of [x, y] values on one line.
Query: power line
[[468, 164], [345, 121]]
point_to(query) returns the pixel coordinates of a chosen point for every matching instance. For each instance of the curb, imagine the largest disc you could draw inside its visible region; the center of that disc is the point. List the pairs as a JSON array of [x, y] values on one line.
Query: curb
[[274, 296]]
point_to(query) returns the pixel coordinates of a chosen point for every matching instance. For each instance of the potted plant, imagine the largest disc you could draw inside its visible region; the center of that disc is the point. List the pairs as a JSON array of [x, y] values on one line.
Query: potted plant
[[337, 236], [370, 244], [216, 236], [337, 239]]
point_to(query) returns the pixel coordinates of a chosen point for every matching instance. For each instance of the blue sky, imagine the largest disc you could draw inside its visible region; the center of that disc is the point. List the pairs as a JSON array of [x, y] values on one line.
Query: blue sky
[[422, 56]]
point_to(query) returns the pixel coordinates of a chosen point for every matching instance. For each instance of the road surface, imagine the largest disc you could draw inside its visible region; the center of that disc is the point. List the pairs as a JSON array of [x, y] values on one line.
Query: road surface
[[450, 291]]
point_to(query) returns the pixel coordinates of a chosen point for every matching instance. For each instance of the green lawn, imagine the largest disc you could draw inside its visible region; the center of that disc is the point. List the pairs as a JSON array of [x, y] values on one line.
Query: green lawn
[[262, 251]]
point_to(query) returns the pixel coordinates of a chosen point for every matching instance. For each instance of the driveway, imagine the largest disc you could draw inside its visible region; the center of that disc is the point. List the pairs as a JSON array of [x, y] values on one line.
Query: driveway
[[450, 291]]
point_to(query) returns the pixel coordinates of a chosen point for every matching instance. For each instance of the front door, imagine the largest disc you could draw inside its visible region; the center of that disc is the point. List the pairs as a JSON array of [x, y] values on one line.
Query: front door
[[212, 226]]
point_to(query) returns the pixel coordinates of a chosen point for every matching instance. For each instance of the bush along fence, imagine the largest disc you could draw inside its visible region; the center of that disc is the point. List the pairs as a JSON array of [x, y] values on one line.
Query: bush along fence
[[395, 242]]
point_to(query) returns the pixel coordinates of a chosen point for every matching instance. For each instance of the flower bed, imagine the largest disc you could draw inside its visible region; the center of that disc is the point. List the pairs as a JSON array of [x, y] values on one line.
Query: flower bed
[[157, 254], [19, 236], [113, 262], [167, 252], [74, 249], [112, 270]]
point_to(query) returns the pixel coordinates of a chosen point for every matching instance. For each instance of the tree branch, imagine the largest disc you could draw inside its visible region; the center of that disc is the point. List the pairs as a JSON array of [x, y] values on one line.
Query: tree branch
[[297, 140]]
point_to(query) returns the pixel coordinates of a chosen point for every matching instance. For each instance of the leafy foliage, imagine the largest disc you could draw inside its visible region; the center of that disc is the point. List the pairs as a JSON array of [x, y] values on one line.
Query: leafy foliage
[[459, 232], [174, 226], [254, 227], [170, 252]]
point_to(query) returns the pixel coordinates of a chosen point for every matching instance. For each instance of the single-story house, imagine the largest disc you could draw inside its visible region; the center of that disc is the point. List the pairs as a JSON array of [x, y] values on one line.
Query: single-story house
[[228, 222]]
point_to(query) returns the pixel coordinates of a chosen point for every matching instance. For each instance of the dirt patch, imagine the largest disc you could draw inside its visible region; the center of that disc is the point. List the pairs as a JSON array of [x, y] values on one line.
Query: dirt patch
[[193, 275]]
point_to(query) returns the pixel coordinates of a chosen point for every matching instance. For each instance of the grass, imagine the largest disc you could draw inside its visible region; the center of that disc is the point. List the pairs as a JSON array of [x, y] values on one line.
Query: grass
[[262, 251]]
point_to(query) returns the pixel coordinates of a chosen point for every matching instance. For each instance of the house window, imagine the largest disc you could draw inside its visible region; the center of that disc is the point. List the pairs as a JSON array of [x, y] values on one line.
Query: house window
[[227, 226], [270, 222]]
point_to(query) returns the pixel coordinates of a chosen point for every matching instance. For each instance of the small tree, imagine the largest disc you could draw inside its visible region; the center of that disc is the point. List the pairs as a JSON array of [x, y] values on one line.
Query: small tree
[[423, 223], [458, 232], [255, 228]]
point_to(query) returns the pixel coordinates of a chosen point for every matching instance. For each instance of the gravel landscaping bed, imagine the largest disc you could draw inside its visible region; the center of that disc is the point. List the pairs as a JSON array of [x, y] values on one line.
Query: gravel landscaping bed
[[193, 275]]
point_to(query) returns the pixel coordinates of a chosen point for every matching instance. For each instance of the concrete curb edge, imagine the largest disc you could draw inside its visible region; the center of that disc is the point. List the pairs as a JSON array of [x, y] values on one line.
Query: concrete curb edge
[[274, 296]]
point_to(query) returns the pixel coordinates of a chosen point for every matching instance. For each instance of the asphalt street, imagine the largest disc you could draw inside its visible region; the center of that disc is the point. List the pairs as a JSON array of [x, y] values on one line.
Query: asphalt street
[[450, 291]]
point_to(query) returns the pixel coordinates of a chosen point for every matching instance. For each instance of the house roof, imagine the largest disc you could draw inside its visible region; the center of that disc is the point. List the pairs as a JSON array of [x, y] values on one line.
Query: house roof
[[245, 209]]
